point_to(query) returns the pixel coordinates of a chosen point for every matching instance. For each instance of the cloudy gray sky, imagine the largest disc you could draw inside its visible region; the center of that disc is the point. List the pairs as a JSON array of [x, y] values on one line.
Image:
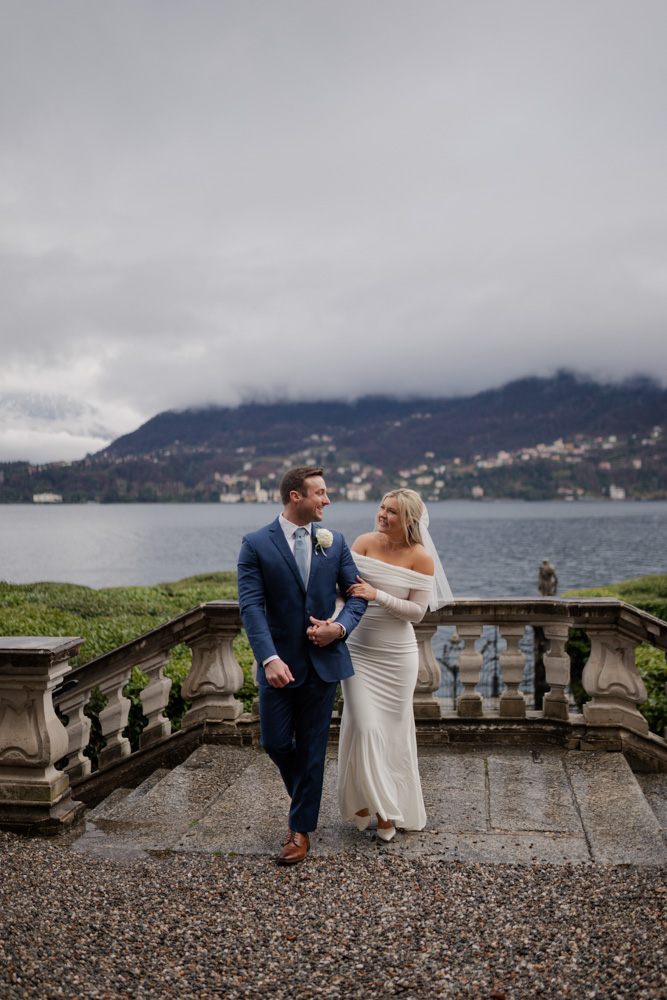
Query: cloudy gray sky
[[217, 200]]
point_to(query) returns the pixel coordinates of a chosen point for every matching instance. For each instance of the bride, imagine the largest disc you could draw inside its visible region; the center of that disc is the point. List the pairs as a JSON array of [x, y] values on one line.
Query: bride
[[402, 577]]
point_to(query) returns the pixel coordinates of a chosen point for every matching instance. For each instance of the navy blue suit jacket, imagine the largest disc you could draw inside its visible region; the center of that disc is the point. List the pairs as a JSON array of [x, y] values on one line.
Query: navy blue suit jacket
[[276, 607]]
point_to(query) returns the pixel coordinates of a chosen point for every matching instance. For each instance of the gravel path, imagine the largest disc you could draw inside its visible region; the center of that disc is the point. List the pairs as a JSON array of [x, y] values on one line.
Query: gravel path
[[207, 927]]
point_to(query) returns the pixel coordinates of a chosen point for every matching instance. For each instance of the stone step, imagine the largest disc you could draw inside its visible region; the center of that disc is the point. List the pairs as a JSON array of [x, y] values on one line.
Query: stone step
[[112, 804], [122, 799], [654, 787], [490, 804], [249, 817], [621, 827], [161, 812]]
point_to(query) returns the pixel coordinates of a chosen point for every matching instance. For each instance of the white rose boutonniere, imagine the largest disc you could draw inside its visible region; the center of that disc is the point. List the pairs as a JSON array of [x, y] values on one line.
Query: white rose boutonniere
[[323, 538]]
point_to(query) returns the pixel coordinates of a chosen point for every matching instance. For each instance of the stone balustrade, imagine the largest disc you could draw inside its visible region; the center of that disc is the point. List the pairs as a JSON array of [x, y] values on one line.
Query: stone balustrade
[[215, 676], [610, 677], [32, 738]]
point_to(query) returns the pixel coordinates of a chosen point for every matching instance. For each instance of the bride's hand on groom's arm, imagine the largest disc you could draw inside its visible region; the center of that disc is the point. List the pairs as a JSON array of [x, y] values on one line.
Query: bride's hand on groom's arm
[[362, 589]]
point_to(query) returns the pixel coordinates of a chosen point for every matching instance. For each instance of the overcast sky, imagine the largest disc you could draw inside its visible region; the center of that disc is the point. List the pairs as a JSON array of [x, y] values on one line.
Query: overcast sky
[[206, 201]]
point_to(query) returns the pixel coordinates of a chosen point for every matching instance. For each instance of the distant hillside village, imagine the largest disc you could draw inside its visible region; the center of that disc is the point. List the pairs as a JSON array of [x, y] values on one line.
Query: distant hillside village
[[607, 442], [583, 469], [354, 482]]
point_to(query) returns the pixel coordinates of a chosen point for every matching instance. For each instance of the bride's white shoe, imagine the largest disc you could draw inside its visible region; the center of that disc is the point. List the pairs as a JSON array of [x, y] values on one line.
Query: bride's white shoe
[[387, 834], [361, 822]]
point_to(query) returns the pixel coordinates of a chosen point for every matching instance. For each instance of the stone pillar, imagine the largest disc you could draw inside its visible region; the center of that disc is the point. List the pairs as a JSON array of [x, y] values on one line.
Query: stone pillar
[[611, 678], [424, 703], [213, 678], [72, 704], [114, 716], [33, 794], [470, 703], [557, 672], [154, 699], [512, 661]]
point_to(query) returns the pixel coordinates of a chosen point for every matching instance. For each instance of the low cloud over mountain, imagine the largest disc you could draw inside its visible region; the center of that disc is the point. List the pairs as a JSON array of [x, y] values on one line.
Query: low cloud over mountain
[[46, 427]]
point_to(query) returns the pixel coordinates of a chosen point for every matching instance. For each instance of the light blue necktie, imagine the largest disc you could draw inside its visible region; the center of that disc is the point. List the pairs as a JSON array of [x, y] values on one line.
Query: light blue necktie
[[301, 552]]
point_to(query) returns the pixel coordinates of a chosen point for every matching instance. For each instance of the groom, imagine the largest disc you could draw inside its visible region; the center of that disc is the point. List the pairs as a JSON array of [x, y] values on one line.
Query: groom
[[287, 579]]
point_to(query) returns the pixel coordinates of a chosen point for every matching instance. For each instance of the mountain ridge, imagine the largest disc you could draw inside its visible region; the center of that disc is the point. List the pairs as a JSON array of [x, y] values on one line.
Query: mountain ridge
[[521, 413], [566, 436]]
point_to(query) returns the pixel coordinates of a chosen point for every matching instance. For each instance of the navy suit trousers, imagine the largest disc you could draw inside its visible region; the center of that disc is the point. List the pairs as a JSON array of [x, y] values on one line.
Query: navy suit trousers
[[294, 731]]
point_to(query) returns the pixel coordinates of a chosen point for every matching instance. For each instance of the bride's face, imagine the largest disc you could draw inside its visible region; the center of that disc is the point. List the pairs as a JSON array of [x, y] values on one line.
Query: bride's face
[[389, 519]]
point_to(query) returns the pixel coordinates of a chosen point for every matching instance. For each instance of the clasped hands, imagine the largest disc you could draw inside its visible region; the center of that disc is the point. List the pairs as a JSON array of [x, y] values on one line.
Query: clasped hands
[[277, 672], [321, 633]]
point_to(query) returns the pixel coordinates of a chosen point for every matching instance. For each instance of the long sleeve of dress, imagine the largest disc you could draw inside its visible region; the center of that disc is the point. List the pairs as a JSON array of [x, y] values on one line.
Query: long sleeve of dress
[[411, 610]]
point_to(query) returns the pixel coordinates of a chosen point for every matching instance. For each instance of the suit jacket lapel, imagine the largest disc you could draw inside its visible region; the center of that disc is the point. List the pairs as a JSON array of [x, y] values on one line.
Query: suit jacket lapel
[[280, 542]]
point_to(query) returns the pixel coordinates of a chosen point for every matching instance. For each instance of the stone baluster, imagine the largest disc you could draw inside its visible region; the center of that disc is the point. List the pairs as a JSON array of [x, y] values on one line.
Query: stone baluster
[[469, 704], [424, 702], [557, 671], [154, 699], [512, 661], [113, 717], [611, 679], [72, 704], [213, 678], [32, 737]]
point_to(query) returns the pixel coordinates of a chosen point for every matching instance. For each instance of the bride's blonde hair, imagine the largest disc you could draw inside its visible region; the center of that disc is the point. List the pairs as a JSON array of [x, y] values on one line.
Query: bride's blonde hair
[[410, 509]]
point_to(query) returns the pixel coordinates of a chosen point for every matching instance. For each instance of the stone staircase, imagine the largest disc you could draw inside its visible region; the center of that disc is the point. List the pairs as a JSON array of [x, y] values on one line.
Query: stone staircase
[[487, 804]]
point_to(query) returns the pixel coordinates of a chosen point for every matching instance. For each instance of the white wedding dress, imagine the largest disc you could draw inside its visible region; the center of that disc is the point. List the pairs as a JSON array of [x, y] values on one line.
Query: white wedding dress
[[377, 757]]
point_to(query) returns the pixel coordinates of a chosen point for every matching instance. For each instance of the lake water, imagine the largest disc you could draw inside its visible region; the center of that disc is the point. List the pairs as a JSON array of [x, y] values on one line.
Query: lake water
[[487, 549]]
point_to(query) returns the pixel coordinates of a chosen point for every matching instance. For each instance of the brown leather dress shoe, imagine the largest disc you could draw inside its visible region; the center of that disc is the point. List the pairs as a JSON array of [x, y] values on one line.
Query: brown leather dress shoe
[[295, 848]]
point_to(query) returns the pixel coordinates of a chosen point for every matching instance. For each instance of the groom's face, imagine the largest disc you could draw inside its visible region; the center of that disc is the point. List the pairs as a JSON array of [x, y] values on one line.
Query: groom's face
[[311, 506]]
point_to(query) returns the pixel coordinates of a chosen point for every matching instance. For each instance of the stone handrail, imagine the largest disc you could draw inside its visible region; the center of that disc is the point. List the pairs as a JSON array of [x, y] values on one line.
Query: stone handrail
[[32, 738]]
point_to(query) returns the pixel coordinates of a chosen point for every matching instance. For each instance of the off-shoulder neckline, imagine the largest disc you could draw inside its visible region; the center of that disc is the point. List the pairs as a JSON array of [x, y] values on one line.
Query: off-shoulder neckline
[[404, 569]]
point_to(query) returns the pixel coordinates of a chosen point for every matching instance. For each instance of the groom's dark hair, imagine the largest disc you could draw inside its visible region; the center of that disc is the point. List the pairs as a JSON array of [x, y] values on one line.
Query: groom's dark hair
[[294, 479]]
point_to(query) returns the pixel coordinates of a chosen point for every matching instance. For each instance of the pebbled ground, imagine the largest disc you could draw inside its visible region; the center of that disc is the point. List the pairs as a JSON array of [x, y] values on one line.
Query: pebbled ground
[[75, 925]]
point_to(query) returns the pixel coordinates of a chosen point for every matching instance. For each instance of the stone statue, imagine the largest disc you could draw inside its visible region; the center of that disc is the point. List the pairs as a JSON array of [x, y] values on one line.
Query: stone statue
[[547, 584], [547, 581]]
